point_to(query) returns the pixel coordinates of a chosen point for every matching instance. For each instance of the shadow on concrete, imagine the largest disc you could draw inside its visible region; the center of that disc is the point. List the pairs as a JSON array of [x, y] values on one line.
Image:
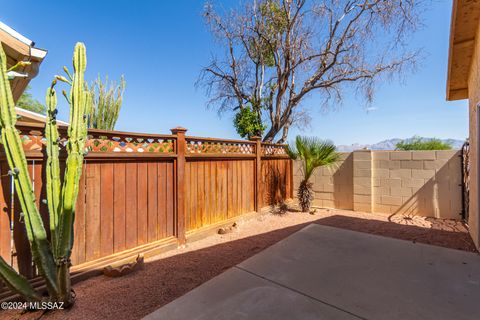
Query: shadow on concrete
[[162, 281], [434, 236]]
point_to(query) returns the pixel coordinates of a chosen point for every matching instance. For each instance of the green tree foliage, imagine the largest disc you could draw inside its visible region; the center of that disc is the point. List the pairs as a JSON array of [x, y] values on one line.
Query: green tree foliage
[[108, 99], [27, 102], [248, 123], [417, 143], [274, 23], [312, 153]]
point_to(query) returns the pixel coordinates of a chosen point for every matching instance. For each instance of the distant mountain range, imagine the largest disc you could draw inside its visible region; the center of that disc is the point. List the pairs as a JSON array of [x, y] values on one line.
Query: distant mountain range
[[391, 143]]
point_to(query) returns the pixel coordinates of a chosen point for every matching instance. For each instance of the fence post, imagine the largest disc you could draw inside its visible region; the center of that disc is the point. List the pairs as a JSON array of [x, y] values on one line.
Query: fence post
[[180, 183], [258, 173]]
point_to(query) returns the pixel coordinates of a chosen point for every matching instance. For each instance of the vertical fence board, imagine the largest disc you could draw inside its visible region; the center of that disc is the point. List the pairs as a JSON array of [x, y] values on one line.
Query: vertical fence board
[[218, 183], [238, 173], [244, 187], [193, 194], [201, 194], [252, 185], [208, 193], [230, 212], [152, 201], [119, 207], [142, 213], [224, 189], [92, 212], [106, 208], [162, 200], [213, 190], [170, 200], [131, 211], [188, 207]]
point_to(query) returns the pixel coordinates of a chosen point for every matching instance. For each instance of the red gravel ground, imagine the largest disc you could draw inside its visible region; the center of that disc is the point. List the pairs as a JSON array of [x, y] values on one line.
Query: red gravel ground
[[170, 275]]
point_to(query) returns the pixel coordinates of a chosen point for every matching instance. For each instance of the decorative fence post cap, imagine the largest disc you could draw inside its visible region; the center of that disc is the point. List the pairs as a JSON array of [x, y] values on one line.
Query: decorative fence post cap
[[255, 138], [178, 130]]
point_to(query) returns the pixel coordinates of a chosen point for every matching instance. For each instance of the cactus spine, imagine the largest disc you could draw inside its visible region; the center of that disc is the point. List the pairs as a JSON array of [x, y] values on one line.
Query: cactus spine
[[52, 258]]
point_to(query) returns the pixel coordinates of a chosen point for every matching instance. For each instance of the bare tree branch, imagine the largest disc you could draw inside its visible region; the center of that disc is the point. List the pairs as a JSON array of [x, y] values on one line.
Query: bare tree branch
[[278, 52]]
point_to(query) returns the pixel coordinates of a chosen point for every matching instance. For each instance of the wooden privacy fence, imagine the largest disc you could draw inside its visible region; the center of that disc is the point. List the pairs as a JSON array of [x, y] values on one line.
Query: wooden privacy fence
[[138, 190]]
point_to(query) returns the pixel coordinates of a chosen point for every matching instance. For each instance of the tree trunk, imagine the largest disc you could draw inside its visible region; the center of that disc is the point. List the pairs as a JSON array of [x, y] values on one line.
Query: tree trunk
[[284, 134]]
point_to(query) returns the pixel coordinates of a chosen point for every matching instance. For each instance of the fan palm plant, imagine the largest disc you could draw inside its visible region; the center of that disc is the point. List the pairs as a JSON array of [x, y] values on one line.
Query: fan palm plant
[[312, 153]]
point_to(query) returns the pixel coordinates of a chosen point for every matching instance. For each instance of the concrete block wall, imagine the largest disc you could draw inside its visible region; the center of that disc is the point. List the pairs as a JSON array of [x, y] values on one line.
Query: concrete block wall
[[425, 183], [333, 186], [362, 181]]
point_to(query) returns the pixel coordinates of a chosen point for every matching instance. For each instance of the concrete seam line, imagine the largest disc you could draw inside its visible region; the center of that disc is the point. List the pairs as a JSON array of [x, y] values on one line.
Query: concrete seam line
[[301, 293]]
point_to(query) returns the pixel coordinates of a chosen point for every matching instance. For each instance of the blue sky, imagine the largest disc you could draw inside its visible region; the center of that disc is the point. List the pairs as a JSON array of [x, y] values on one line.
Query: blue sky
[[161, 46]]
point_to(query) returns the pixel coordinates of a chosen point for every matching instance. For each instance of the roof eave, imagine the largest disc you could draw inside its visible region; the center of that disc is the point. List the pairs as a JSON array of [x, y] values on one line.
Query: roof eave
[[463, 29], [20, 48]]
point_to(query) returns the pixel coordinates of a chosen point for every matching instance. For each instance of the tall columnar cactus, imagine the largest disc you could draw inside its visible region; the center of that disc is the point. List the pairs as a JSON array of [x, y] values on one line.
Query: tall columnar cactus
[[80, 101], [51, 257], [53, 165]]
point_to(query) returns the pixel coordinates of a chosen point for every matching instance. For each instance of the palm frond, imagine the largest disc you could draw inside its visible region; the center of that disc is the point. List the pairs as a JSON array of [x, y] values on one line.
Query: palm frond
[[313, 152]]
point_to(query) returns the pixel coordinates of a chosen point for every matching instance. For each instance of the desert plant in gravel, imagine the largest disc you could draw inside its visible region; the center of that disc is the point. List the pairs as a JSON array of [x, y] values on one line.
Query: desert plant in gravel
[[312, 153], [51, 256]]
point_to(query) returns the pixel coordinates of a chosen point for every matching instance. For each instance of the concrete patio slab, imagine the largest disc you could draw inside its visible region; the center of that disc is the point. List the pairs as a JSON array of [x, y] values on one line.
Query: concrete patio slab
[[328, 273], [237, 294]]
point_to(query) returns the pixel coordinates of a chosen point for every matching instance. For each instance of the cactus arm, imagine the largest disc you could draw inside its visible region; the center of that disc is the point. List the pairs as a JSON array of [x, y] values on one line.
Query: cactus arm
[[20, 64], [16, 282], [17, 162], [80, 100], [69, 75], [53, 166]]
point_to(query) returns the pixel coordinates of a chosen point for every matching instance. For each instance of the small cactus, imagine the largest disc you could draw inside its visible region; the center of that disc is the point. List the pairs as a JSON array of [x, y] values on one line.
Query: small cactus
[[51, 257]]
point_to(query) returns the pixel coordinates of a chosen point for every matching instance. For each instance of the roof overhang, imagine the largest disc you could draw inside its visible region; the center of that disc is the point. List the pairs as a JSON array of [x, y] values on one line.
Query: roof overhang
[[19, 48], [34, 117], [463, 29]]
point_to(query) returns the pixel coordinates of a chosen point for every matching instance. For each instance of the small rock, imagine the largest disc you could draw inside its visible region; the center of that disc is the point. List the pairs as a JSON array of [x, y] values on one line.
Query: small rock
[[229, 229], [118, 270]]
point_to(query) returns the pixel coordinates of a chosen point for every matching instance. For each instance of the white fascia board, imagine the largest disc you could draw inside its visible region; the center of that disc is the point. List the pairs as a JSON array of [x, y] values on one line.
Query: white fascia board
[[15, 34], [38, 53]]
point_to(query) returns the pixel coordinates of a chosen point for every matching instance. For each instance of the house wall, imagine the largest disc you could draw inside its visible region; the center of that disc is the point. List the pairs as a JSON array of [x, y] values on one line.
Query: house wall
[[474, 99], [424, 183]]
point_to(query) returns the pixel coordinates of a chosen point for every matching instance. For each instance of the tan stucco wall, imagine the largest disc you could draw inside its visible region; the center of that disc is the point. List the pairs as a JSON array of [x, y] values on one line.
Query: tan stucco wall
[[474, 98], [425, 183]]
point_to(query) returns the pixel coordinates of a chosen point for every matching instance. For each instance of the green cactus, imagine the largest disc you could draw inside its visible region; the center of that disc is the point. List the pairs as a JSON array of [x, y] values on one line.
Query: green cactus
[[80, 101], [51, 257], [53, 165]]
